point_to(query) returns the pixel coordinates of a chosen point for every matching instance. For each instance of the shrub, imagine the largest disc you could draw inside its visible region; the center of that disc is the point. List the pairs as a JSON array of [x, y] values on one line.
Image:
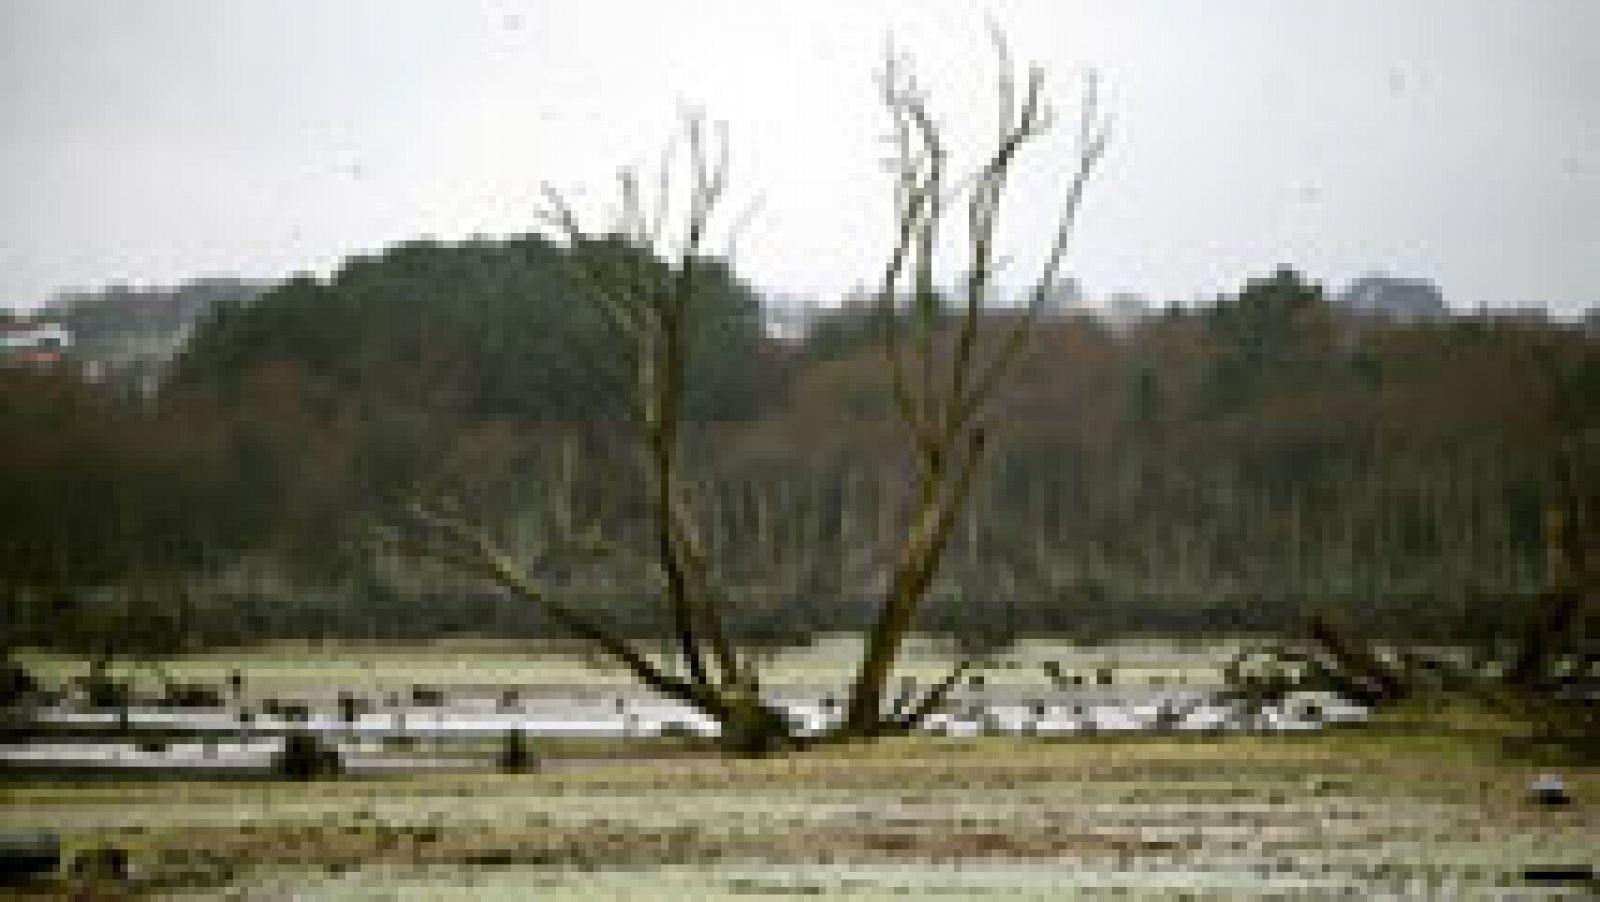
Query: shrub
[[104, 692], [16, 683], [192, 695], [305, 756]]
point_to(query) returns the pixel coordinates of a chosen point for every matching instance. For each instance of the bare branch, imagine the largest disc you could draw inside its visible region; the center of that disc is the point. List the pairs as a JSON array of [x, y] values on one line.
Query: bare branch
[[933, 700], [486, 560], [1007, 84], [914, 195], [663, 184], [946, 418], [1093, 134], [740, 223]]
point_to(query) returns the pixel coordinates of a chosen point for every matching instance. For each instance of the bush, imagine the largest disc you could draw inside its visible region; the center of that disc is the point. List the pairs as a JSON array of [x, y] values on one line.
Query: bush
[[192, 695], [427, 696], [305, 756], [104, 692], [16, 683]]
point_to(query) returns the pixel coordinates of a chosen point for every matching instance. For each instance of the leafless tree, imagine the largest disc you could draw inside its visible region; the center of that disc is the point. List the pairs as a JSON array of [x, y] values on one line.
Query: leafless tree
[[643, 274]]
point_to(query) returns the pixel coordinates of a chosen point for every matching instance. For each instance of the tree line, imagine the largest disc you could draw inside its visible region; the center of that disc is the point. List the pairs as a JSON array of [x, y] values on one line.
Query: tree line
[[1209, 469]]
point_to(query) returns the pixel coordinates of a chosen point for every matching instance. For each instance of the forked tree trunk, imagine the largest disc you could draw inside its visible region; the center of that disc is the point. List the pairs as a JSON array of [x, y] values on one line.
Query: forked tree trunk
[[944, 377]]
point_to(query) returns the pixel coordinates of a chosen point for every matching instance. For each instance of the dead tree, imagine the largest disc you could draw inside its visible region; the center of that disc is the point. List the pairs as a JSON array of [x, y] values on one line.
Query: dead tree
[[943, 380], [643, 275]]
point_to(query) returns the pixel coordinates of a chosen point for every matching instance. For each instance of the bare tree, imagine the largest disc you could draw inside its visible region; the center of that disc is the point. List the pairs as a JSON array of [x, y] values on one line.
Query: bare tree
[[942, 383], [643, 275]]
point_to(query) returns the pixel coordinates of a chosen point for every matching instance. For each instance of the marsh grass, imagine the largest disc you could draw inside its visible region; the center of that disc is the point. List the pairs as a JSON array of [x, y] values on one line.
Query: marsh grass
[[1438, 804], [1425, 793]]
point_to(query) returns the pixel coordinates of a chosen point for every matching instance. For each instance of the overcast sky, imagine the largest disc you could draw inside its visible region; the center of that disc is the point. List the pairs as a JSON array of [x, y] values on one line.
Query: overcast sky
[[151, 141]]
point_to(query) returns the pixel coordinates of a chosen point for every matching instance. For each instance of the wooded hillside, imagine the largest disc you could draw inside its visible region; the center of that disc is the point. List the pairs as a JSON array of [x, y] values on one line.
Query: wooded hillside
[[1201, 470]]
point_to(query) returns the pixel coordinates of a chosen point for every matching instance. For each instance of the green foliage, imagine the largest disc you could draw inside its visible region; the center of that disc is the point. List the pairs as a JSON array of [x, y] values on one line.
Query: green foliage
[[484, 330], [1267, 333], [434, 364]]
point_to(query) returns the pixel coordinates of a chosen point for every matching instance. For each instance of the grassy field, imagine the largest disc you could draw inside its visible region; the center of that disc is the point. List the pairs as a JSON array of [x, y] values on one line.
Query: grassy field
[[1428, 801], [1365, 810]]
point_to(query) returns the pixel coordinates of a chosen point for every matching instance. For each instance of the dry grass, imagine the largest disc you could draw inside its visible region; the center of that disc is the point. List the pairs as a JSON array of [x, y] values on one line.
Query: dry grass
[[1115, 802]]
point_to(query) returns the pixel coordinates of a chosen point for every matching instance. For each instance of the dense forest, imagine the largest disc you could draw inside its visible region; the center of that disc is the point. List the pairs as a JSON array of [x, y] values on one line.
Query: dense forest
[[1209, 469]]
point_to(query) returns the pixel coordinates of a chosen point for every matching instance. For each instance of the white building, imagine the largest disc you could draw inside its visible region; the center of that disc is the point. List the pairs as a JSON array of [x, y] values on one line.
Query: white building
[[33, 342]]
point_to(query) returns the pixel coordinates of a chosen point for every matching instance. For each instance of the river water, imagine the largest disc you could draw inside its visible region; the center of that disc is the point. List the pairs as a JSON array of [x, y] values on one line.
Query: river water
[[245, 739]]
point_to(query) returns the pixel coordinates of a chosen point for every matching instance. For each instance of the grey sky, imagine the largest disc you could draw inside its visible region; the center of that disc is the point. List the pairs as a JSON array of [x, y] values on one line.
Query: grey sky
[[150, 141]]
